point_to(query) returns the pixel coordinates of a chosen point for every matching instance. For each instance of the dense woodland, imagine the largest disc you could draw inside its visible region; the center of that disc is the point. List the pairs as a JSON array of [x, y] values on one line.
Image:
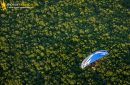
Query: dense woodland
[[46, 44]]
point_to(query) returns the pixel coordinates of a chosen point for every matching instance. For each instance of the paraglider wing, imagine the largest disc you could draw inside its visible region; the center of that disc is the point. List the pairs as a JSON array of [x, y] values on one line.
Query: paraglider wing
[[93, 57]]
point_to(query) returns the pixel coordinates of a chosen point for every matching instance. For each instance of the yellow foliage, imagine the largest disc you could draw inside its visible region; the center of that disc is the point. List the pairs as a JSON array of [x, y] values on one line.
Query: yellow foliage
[[46, 0], [3, 5]]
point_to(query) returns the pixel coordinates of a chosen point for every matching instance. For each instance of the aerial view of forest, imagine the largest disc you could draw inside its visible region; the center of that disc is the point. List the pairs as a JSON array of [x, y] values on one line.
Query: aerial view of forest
[[46, 43]]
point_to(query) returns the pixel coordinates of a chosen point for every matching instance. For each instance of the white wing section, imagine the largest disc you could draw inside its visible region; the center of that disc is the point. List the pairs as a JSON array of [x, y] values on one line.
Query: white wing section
[[86, 61]]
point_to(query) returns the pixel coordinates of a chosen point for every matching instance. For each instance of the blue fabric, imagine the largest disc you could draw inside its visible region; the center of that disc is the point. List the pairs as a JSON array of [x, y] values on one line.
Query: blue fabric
[[93, 57], [97, 55]]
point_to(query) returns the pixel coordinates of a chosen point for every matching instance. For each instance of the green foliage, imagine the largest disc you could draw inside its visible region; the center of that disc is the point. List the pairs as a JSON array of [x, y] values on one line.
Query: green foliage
[[46, 44]]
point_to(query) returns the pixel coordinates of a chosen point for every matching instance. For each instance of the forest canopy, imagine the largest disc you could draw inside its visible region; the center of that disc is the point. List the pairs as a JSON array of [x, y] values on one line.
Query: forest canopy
[[46, 44]]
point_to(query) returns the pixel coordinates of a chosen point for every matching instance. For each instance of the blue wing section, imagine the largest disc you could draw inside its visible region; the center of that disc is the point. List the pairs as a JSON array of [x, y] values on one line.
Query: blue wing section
[[93, 57], [97, 55]]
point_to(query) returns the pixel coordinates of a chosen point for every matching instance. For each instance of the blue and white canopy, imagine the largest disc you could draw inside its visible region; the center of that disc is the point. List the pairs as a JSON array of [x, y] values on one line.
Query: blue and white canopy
[[93, 57]]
